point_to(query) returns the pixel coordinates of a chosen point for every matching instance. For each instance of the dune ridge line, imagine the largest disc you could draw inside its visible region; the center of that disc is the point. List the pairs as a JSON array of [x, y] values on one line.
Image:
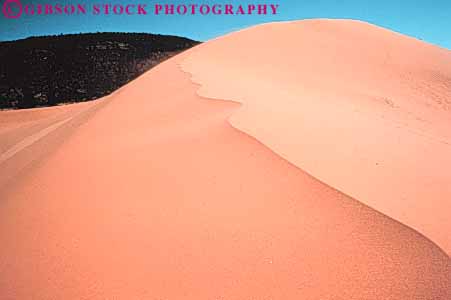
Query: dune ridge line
[[158, 196], [230, 122], [408, 120]]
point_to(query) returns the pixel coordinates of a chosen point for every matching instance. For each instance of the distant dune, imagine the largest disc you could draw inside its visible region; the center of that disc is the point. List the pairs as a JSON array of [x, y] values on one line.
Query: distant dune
[[158, 193]]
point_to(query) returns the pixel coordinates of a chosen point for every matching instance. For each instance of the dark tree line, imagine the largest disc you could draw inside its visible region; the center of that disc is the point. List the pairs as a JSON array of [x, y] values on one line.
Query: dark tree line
[[45, 71]]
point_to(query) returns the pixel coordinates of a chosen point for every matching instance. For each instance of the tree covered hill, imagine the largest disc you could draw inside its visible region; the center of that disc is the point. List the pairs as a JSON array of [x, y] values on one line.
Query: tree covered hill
[[46, 71]]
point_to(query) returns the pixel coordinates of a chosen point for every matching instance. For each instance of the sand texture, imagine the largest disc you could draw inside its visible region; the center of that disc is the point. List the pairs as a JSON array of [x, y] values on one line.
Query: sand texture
[[157, 192], [361, 108]]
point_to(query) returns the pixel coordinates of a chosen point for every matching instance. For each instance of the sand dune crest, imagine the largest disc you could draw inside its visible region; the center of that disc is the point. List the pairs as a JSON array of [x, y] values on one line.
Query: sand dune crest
[[157, 196], [361, 108]]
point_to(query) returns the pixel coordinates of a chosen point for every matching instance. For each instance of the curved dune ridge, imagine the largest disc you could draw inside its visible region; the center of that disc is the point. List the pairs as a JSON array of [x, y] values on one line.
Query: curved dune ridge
[[152, 194], [363, 109]]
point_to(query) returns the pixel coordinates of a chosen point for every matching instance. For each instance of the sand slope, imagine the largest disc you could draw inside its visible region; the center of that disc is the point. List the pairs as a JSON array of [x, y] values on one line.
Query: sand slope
[[41, 128], [156, 196], [363, 109]]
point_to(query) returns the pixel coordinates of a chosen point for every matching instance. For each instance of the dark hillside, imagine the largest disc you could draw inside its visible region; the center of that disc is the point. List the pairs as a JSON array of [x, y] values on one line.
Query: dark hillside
[[45, 71]]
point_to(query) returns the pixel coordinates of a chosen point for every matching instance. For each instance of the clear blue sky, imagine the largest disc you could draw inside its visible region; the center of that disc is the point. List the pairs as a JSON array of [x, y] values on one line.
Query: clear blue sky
[[429, 20]]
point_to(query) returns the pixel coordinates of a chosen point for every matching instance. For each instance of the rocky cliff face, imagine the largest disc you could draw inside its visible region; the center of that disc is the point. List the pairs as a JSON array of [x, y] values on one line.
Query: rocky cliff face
[[45, 71]]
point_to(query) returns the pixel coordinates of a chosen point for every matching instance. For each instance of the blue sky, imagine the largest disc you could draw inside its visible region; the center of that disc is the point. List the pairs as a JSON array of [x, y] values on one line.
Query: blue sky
[[429, 20]]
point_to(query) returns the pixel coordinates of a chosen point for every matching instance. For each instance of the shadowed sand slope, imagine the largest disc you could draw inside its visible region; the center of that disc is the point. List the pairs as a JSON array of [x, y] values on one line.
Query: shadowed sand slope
[[363, 109], [157, 196], [40, 128]]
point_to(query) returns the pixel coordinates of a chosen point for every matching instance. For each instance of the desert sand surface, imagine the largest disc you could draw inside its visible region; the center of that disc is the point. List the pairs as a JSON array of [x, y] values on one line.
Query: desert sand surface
[[40, 128], [153, 194], [363, 109]]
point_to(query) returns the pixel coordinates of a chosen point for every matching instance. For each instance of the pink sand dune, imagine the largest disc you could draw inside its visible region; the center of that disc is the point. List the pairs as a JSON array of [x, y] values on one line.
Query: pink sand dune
[[152, 194], [363, 109]]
